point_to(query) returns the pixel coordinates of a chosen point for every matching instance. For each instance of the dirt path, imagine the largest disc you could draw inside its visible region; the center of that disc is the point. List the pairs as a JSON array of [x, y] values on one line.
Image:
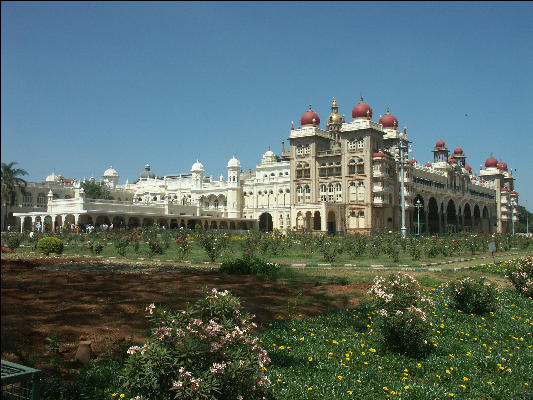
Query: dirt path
[[108, 307]]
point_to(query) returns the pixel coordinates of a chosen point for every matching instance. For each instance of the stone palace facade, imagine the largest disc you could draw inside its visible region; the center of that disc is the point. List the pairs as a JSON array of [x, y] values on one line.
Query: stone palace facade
[[345, 177]]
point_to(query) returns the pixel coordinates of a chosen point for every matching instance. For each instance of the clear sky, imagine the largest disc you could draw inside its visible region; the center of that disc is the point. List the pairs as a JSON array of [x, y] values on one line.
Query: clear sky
[[89, 85]]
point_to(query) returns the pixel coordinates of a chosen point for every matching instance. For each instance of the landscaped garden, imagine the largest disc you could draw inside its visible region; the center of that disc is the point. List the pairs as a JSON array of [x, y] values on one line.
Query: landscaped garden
[[169, 315]]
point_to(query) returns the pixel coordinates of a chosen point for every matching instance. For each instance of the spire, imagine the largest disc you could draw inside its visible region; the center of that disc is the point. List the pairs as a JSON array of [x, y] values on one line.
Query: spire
[[362, 100], [310, 107], [388, 110], [292, 125]]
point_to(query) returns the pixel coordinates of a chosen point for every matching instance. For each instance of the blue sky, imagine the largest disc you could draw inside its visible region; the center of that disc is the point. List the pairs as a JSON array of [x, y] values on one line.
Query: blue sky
[[89, 85]]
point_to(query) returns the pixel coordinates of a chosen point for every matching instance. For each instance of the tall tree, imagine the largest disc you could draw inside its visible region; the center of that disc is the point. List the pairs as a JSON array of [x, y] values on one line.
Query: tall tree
[[95, 190], [11, 180]]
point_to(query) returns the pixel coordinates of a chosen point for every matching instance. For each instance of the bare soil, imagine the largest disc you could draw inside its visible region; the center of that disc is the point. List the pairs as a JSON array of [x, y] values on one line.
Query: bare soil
[[86, 299]]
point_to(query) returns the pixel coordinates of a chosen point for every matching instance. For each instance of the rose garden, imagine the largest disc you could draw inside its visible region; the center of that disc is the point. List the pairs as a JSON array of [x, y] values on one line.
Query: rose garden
[[169, 314]]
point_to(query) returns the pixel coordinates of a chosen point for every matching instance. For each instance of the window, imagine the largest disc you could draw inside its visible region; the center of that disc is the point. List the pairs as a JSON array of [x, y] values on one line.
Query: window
[[351, 167], [307, 149], [300, 150], [323, 188], [360, 144], [41, 200], [338, 187], [352, 145], [330, 188], [27, 199]]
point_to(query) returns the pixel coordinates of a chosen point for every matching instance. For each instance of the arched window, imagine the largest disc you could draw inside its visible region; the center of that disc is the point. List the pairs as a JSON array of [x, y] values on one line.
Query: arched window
[[351, 167], [41, 200], [352, 145]]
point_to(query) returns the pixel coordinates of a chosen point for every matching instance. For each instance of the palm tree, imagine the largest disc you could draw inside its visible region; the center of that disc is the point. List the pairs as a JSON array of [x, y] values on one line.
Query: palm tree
[[10, 182]]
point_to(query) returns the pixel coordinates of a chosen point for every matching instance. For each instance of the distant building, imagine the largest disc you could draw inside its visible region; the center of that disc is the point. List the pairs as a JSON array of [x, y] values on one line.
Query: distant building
[[344, 178]]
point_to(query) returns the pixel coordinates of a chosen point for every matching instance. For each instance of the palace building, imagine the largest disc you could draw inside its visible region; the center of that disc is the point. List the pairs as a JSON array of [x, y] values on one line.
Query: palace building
[[345, 177]]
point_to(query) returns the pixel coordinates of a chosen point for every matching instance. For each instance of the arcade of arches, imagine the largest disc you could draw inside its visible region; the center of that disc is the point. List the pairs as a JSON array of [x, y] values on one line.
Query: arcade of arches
[[449, 216]]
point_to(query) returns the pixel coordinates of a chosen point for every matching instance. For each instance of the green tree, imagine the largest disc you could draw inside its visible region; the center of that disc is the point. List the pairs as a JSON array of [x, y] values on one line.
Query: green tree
[[521, 225], [11, 180], [95, 190]]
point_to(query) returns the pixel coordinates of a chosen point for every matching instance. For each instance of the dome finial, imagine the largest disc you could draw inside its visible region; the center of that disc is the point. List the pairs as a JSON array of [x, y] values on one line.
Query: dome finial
[[310, 107], [362, 100], [292, 125], [388, 110]]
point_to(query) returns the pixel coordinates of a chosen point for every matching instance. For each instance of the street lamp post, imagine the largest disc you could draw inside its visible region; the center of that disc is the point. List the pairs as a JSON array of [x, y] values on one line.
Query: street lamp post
[[402, 147], [418, 206]]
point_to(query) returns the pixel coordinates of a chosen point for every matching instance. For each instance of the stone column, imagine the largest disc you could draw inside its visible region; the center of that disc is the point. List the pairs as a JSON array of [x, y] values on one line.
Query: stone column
[[21, 223], [445, 222], [463, 220], [33, 218], [426, 219], [53, 219]]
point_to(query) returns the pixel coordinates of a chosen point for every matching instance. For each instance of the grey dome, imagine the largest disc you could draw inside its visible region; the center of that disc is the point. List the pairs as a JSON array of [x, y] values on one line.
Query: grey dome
[[146, 173]]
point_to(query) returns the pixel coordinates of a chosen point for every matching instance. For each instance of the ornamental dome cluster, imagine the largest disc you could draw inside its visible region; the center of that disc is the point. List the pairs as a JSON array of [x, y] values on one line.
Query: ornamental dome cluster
[[197, 167], [233, 163], [111, 172], [310, 118], [491, 162], [147, 173], [388, 120], [362, 110]]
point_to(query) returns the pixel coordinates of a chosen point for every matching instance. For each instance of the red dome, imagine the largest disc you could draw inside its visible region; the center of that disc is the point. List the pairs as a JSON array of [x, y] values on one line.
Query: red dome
[[468, 168], [513, 192], [474, 178], [388, 120], [379, 154], [428, 164], [502, 166], [412, 161], [452, 160], [310, 118], [362, 110], [440, 143], [458, 150], [482, 181], [505, 190], [491, 162]]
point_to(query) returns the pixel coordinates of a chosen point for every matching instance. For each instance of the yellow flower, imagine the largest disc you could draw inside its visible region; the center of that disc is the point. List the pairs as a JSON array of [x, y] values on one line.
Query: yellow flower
[[302, 339], [122, 395], [406, 387], [392, 392], [114, 395], [385, 388], [330, 354], [358, 381], [451, 394], [340, 377], [372, 350], [419, 365], [465, 379], [279, 380], [349, 392], [463, 386], [363, 353], [310, 359], [468, 354], [448, 371], [438, 376], [490, 383], [309, 388], [294, 330]]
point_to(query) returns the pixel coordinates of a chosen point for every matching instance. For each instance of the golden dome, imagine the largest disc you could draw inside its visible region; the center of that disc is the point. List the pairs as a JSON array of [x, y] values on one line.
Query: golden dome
[[334, 118]]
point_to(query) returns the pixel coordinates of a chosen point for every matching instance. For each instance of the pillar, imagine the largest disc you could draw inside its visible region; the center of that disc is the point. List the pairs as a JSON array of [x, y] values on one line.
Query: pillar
[[445, 215], [33, 218], [426, 219], [440, 222], [53, 219], [21, 223]]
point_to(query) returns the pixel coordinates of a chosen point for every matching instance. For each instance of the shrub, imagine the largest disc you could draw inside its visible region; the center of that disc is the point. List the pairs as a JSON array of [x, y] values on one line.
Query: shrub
[[13, 240], [213, 244], [330, 248], [401, 311], [520, 273], [415, 249], [183, 242], [98, 247], [204, 352], [154, 247], [121, 243], [356, 245], [250, 265], [50, 245], [476, 296]]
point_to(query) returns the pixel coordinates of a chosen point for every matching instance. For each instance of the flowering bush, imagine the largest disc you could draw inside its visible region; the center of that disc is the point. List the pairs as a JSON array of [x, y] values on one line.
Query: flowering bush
[[205, 352], [521, 275], [356, 245], [415, 249], [476, 296], [401, 310], [12, 240], [213, 244], [330, 248], [154, 247], [121, 242], [183, 242], [98, 247]]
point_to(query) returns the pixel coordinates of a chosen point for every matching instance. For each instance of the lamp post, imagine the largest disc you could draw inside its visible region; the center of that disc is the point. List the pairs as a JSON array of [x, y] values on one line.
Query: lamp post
[[402, 146], [418, 206]]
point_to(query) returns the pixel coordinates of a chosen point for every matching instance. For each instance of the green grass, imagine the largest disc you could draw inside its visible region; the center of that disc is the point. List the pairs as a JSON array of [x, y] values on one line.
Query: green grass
[[332, 356]]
